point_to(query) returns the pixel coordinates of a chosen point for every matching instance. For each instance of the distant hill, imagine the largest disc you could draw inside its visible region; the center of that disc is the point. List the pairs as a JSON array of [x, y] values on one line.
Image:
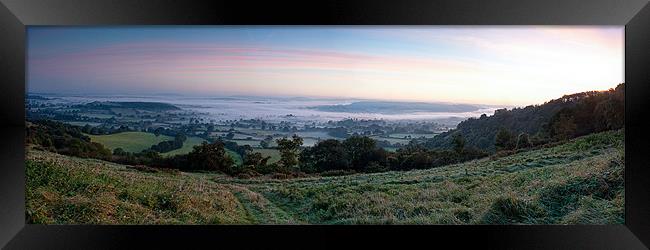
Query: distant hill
[[37, 97], [386, 107], [569, 116]]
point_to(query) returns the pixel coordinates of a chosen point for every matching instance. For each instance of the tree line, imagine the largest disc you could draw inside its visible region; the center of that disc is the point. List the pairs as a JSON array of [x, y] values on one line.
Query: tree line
[[166, 146], [64, 139], [560, 119], [354, 154]]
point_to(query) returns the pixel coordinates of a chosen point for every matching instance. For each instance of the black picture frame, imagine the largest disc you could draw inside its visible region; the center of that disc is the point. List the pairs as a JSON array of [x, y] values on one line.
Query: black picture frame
[[16, 15]]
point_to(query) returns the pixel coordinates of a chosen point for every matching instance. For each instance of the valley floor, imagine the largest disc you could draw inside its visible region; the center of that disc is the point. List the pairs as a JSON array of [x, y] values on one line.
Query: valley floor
[[579, 182]]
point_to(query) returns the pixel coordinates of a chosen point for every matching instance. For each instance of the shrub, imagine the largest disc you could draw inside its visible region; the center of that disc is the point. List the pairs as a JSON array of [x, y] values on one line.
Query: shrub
[[211, 157], [375, 167], [272, 168], [247, 174]]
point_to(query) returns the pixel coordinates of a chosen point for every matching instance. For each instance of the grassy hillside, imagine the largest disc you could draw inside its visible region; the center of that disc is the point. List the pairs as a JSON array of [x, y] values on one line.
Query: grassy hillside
[[580, 182], [130, 141]]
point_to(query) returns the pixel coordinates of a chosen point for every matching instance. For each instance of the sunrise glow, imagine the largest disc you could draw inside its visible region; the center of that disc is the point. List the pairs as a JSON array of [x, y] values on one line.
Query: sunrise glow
[[467, 64]]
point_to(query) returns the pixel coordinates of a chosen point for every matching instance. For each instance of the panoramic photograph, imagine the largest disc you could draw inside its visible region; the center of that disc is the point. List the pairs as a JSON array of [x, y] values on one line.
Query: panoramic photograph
[[134, 125]]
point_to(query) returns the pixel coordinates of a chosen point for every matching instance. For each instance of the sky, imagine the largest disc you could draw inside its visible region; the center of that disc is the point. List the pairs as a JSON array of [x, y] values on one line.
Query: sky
[[497, 65]]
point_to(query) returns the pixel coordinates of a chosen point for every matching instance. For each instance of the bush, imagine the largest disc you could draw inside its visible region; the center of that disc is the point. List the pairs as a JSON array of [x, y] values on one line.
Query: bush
[[247, 174], [375, 167], [211, 157], [271, 168]]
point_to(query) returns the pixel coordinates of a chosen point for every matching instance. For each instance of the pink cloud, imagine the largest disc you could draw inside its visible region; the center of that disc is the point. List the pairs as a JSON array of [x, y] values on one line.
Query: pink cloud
[[169, 58]]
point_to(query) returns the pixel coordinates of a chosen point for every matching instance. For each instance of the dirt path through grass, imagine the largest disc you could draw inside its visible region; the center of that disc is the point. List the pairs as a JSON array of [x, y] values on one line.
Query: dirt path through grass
[[260, 209]]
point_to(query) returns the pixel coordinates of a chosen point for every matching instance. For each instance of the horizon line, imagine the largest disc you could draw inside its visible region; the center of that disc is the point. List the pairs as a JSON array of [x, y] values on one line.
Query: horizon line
[[191, 95]]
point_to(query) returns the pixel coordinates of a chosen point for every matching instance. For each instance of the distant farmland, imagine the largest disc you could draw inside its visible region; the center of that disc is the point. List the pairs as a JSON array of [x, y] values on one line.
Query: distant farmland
[[133, 142]]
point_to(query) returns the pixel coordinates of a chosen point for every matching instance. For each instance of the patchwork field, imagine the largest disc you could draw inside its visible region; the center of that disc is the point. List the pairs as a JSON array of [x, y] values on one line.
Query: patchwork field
[[579, 182], [94, 115], [81, 124]]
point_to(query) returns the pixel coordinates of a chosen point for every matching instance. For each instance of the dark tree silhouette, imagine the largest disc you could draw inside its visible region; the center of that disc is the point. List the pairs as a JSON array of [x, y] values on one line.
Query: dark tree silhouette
[[325, 155], [289, 150], [210, 156], [504, 140], [459, 143]]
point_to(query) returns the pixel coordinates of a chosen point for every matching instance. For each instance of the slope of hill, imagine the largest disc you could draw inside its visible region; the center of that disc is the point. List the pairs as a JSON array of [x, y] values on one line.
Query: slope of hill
[[578, 182], [574, 115]]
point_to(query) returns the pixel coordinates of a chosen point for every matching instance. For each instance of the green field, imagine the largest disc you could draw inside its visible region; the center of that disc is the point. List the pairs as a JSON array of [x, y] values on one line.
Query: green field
[[315, 134], [93, 115], [579, 182], [239, 136], [130, 141], [189, 144], [235, 156], [138, 141]]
